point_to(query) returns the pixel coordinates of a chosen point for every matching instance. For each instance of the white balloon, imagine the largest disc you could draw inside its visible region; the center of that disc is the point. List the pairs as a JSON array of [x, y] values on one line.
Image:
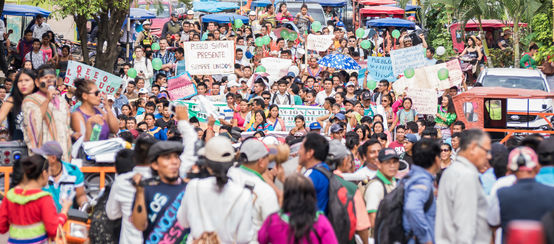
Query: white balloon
[[441, 50], [294, 69]]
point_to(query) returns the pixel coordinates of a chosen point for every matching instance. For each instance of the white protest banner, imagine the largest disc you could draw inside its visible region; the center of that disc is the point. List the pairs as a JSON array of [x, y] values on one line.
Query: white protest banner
[[455, 74], [405, 58], [424, 100], [287, 113], [209, 57], [106, 82], [380, 68], [181, 87], [276, 68], [319, 43]]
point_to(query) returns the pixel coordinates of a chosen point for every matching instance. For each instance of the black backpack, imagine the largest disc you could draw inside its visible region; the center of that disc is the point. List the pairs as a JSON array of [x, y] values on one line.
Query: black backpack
[[341, 212], [103, 230], [388, 222]]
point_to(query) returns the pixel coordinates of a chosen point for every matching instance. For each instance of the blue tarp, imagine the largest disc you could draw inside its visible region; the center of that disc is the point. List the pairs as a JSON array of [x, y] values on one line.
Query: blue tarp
[[409, 7], [139, 13], [24, 10], [223, 18], [390, 22], [332, 3], [213, 6], [260, 3]]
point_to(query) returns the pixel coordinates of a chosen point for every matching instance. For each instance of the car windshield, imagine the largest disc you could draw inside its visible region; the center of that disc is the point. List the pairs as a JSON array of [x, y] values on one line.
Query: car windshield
[[161, 10], [316, 13], [534, 83]]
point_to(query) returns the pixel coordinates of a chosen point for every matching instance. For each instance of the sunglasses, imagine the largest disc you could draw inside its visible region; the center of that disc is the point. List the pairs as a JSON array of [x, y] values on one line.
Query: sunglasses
[[96, 93], [267, 98], [445, 150]]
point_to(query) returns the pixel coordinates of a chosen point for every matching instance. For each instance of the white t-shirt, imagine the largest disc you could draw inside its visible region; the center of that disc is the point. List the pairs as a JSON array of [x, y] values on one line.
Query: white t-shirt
[[361, 174]]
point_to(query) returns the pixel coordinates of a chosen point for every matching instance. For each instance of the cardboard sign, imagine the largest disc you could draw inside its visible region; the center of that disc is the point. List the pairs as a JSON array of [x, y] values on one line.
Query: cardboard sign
[[319, 43], [210, 57], [181, 87], [380, 68], [424, 100], [455, 74], [287, 113], [405, 58], [276, 68], [106, 82]]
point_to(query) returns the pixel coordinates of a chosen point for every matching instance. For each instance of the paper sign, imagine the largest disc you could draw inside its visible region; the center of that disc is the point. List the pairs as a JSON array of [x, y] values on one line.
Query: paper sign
[[106, 82], [287, 113], [210, 57], [380, 68], [424, 100], [319, 43], [405, 58], [276, 68], [181, 87], [427, 77]]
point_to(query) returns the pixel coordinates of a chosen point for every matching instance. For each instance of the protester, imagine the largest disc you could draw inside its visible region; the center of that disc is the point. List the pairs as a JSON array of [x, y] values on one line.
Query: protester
[[312, 154], [11, 108], [383, 183], [462, 204]]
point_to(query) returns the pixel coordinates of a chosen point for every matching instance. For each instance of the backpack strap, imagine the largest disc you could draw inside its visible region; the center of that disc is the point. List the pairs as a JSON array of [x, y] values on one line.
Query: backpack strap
[[429, 201], [324, 171], [383, 184]]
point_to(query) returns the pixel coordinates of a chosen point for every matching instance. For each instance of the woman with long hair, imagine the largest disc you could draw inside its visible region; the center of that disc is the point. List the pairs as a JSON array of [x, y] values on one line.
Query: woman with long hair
[[353, 143], [446, 155], [24, 85], [446, 115], [273, 119], [405, 114], [62, 63], [298, 221], [386, 102], [299, 125], [28, 212], [152, 129], [239, 117], [260, 123], [88, 115], [283, 14]]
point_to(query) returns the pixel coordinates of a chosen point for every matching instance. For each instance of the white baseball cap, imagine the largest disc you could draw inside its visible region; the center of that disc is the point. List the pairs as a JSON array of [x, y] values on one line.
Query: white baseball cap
[[190, 12], [252, 13], [218, 149], [254, 149], [143, 90]]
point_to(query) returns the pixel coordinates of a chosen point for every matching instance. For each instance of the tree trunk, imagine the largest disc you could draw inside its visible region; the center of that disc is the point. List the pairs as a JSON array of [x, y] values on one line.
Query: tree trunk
[[484, 41], [81, 22], [516, 42], [109, 31]]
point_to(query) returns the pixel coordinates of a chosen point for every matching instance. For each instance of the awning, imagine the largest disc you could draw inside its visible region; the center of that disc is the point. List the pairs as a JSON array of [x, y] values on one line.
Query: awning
[[223, 18], [394, 22], [24, 10]]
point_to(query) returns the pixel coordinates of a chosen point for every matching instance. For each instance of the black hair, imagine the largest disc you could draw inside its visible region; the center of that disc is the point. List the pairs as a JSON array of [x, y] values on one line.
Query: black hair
[[533, 141], [499, 159], [470, 136], [28, 31], [259, 102], [126, 135], [352, 139], [261, 113], [425, 152], [202, 84], [142, 145], [460, 123], [366, 119], [124, 161], [180, 50], [16, 94], [431, 49], [82, 87], [300, 203], [362, 150], [318, 144], [429, 131], [457, 134], [36, 40], [375, 123], [33, 166], [450, 109], [193, 119], [150, 104], [403, 127]]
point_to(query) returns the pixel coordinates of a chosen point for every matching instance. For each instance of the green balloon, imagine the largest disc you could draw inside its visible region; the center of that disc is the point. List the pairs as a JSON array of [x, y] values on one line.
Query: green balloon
[[442, 74], [409, 73], [238, 23], [293, 36], [259, 42], [157, 63], [395, 33], [284, 34], [360, 32], [156, 46], [366, 44], [316, 26], [260, 69], [266, 39], [132, 73], [371, 84]]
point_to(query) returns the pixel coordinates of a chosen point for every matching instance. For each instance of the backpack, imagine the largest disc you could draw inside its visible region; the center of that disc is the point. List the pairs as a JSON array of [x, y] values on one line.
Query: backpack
[[102, 229], [388, 222], [341, 212]]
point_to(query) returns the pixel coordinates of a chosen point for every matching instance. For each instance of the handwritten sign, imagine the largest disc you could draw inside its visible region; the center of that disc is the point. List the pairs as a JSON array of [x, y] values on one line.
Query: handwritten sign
[[210, 57], [181, 87], [405, 58], [424, 100], [276, 68], [380, 68], [106, 82], [319, 43], [287, 113], [455, 74]]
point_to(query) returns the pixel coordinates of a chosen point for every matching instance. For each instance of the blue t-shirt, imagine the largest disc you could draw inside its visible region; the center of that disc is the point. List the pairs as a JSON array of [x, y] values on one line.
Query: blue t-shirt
[[180, 69], [321, 184], [71, 178]]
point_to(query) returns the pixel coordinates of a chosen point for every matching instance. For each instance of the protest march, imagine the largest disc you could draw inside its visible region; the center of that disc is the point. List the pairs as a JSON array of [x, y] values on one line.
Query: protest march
[[372, 121]]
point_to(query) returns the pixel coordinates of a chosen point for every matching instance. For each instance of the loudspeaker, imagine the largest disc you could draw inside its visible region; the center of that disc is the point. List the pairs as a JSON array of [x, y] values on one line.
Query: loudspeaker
[[11, 151]]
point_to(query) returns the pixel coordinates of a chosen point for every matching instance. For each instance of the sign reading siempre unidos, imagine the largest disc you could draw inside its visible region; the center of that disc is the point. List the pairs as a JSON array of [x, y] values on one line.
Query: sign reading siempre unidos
[[209, 57]]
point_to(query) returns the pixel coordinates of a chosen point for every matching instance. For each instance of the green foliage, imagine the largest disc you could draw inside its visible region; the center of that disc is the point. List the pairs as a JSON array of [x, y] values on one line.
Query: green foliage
[[545, 53], [501, 58], [437, 21], [541, 24]]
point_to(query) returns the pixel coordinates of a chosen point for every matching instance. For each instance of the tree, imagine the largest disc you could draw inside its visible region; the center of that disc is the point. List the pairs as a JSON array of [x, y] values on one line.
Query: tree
[[516, 11]]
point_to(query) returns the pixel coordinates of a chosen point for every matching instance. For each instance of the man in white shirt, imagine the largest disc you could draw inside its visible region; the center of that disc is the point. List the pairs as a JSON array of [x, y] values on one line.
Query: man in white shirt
[[282, 97], [327, 91], [370, 149], [462, 206], [40, 27], [254, 154]]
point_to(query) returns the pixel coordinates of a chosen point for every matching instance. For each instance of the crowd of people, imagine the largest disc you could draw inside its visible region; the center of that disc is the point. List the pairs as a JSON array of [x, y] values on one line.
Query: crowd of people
[[230, 179]]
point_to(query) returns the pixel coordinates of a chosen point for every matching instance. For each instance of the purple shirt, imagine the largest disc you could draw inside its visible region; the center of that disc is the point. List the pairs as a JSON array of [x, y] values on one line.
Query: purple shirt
[[277, 231]]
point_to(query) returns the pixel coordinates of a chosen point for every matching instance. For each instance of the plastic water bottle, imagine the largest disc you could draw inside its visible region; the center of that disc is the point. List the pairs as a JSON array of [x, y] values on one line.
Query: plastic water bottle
[[95, 132]]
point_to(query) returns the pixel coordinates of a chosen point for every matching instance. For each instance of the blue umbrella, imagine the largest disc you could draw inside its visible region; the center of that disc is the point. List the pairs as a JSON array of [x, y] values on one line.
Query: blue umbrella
[[339, 61]]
